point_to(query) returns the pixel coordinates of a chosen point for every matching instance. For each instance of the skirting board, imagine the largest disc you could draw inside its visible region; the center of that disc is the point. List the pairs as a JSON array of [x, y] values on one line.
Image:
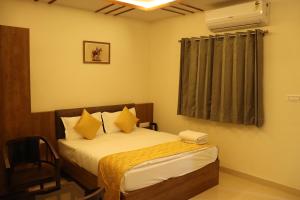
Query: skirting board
[[260, 180]]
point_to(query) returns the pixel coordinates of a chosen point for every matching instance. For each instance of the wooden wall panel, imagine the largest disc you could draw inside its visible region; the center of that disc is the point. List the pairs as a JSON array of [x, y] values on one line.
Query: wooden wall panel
[[15, 80], [144, 112], [43, 124], [14, 83], [16, 119]]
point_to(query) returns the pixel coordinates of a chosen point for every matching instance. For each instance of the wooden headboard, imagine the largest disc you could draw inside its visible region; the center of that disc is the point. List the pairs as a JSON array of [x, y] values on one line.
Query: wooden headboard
[[144, 112]]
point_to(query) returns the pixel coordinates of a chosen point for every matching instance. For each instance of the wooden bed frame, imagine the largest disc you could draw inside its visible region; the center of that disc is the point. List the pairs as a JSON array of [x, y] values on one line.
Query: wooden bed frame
[[178, 188]]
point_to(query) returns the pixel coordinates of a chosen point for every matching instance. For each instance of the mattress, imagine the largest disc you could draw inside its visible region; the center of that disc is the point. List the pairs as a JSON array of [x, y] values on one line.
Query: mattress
[[87, 153]]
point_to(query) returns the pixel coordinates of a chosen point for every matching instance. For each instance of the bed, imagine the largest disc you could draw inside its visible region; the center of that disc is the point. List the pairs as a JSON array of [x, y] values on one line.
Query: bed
[[176, 177]]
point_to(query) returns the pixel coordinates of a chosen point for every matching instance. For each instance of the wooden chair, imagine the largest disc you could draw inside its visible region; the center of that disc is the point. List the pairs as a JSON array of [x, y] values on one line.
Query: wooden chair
[[31, 161]]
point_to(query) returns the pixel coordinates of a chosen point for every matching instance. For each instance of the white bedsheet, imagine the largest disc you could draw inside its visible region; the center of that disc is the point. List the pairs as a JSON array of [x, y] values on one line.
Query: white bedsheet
[[87, 153]]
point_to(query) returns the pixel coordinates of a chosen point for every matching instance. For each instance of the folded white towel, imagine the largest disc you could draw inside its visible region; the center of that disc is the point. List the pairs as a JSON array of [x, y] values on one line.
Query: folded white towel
[[193, 137]]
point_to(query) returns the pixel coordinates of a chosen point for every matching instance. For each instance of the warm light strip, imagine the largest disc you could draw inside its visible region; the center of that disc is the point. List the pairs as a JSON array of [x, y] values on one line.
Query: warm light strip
[[149, 4]]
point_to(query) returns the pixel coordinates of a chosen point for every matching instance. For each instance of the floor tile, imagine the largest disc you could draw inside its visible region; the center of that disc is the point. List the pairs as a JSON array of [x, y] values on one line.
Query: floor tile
[[235, 188]]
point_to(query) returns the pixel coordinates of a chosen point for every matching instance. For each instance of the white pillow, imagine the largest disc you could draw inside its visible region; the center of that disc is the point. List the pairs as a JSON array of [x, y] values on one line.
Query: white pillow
[[70, 122], [110, 118]]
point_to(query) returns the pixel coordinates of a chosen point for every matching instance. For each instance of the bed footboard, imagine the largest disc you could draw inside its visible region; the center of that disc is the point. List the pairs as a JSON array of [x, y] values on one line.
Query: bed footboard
[[179, 188]]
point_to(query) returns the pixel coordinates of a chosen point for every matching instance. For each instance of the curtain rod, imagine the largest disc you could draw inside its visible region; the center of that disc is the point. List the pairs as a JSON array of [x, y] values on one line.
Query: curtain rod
[[223, 35]]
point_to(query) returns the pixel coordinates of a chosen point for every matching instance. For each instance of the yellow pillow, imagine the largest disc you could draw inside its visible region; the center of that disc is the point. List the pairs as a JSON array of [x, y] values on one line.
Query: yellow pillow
[[126, 120], [87, 126]]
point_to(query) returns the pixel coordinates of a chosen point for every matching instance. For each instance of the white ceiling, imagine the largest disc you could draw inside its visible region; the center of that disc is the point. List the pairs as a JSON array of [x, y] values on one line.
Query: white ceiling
[[94, 5]]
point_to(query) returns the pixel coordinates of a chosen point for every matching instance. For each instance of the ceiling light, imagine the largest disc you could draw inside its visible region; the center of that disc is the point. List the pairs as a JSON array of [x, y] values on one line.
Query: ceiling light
[[146, 4]]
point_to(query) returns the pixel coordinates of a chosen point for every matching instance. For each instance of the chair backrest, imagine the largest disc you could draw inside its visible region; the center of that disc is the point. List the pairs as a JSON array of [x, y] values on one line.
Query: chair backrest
[[23, 150]]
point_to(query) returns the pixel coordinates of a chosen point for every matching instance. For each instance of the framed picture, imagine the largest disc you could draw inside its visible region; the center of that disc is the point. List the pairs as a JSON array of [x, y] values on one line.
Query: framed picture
[[96, 52]]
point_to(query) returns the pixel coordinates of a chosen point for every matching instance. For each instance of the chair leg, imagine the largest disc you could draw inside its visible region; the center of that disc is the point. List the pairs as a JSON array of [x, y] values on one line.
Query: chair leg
[[7, 178], [57, 180], [58, 183]]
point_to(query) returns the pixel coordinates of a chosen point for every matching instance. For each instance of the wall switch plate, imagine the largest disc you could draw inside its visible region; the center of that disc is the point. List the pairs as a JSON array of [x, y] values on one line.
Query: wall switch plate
[[294, 98]]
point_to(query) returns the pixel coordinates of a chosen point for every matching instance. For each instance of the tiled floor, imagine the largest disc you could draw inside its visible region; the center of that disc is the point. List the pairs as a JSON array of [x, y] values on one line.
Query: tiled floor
[[235, 188]]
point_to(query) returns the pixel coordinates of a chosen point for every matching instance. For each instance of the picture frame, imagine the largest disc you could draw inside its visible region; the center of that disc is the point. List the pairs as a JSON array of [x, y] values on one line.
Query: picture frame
[[96, 52]]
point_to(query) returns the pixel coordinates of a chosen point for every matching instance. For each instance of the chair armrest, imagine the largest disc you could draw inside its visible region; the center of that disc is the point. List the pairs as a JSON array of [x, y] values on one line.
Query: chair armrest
[[5, 157], [95, 195], [52, 150]]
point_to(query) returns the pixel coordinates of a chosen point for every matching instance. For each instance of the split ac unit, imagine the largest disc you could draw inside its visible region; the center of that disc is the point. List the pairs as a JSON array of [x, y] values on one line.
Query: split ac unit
[[240, 16]]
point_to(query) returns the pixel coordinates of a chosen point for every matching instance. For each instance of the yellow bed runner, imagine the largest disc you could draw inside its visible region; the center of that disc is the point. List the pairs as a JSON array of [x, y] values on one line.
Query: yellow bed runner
[[113, 167]]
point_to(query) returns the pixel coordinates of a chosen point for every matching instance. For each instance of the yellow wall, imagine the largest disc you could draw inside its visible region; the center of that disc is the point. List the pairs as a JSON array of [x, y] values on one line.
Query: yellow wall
[[59, 79], [271, 152], [145, 67]]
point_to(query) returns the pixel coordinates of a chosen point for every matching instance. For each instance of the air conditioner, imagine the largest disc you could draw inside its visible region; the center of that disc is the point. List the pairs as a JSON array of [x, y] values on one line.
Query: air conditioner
[[240, 16]]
